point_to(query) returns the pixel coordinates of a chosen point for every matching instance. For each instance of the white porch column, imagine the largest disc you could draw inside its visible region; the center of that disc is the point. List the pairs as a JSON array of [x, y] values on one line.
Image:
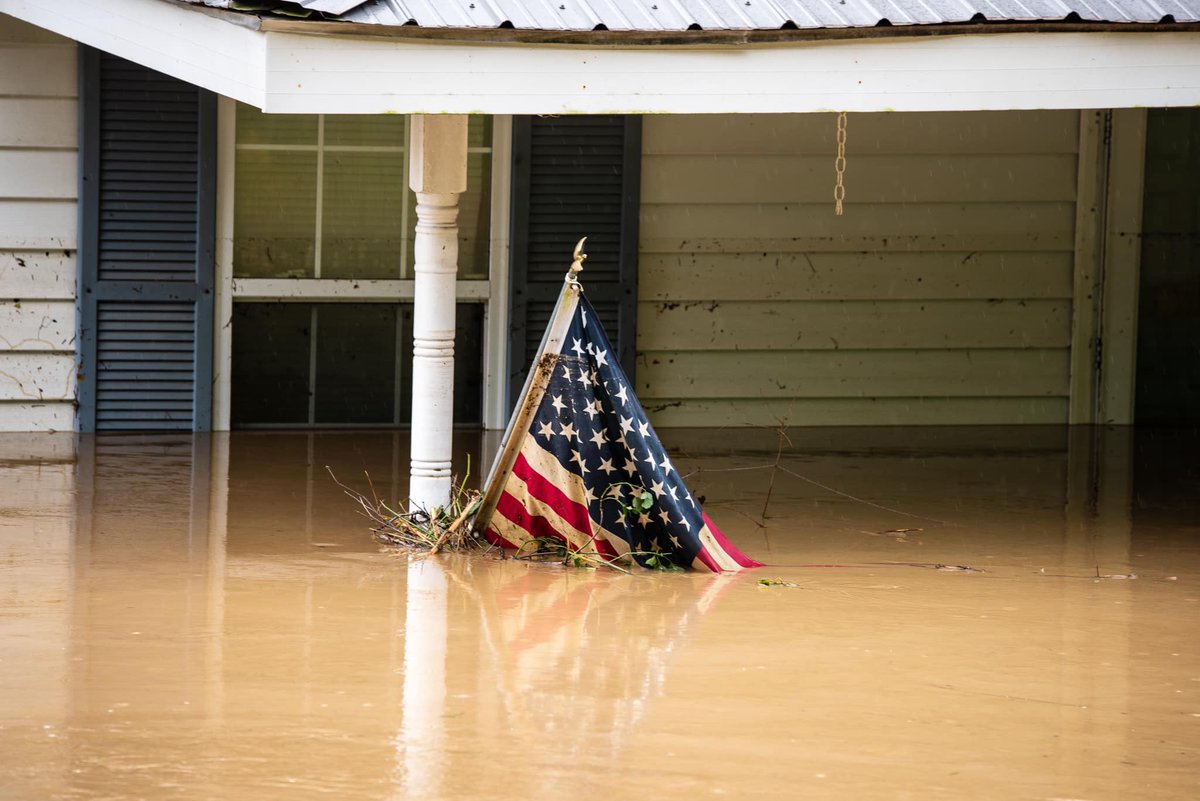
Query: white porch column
[[438, 174]]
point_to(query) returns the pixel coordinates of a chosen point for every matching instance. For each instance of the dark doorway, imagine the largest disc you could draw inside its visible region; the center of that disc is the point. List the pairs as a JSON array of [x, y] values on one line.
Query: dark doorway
[[1168, 355]]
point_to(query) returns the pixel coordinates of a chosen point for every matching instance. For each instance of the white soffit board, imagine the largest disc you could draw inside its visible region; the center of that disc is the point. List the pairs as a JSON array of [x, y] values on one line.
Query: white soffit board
[[299, 72]]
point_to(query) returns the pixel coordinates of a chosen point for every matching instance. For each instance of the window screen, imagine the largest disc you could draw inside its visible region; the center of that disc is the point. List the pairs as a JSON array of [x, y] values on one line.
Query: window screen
[[326, 196]]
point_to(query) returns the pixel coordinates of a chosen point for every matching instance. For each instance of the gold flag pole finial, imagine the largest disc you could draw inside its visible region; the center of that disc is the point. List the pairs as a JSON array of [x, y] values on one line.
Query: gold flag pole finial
[[579, 258]]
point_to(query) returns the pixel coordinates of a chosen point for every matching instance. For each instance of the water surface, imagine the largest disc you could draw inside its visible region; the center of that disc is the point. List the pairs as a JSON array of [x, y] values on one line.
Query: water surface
[[207, 618]]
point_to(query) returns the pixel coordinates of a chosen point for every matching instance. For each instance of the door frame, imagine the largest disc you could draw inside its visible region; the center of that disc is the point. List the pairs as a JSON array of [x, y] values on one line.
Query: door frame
[[1108, 250]]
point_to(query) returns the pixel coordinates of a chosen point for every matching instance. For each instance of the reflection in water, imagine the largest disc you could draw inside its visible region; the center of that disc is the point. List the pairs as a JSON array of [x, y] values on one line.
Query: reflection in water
[[205, 617], [422, 740]]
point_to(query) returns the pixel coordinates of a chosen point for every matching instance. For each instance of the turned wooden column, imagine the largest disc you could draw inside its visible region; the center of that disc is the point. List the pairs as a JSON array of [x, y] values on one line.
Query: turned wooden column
[[438, 174]]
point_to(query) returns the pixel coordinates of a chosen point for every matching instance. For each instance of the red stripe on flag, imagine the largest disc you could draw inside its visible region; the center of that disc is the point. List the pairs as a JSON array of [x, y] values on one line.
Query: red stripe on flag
[[548, 493], [536, 525], [708, 561], [727, 546], [604, 547], [493, 536]]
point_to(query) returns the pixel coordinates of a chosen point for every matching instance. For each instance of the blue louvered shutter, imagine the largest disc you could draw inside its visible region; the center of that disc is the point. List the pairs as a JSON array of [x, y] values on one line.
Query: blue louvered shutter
[[148, 153], [573, 177]]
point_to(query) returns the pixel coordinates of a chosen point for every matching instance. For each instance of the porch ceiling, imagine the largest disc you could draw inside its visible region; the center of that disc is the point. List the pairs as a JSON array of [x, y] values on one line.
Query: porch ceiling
[[320, 66]]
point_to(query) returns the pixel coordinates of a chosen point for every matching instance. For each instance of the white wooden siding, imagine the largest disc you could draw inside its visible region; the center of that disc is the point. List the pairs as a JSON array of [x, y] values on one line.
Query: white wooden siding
[[36, 377], [38, 174], [942, 296], [38, 190], [37, 326]]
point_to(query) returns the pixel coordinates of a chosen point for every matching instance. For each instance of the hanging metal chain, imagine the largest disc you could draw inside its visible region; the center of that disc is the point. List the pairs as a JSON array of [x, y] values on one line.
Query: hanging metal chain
[[839, 165]]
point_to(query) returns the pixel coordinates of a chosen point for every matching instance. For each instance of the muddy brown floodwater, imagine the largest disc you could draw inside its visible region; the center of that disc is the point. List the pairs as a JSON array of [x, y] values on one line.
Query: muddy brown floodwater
[[207, 618]]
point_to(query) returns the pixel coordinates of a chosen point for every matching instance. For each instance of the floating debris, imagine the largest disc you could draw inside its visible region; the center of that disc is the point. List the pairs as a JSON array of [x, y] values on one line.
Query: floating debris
[[1098, 576], [442, 529], [934, 566]]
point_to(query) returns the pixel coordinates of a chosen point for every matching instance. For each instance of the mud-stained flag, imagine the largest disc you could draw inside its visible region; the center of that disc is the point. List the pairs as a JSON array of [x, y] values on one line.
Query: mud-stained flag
[[589, 445]]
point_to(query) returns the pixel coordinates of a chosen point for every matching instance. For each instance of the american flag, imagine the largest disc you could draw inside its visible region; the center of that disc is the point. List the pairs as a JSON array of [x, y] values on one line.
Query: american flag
[[588, 454]]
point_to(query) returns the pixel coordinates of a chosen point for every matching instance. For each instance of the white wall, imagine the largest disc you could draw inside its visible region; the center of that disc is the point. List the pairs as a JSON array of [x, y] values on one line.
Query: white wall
[[38, 169], [942, 296]]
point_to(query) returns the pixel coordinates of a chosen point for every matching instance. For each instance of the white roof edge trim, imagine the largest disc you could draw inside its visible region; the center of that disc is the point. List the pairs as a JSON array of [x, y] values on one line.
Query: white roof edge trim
[[357, 75], [176, 39]]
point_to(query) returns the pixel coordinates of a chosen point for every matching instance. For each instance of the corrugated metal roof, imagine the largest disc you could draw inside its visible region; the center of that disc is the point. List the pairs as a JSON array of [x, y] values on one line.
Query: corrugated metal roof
[[716, 15]]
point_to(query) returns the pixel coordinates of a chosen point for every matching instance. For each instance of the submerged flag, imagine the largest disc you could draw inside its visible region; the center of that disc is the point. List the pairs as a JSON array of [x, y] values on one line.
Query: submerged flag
[[585, 467]]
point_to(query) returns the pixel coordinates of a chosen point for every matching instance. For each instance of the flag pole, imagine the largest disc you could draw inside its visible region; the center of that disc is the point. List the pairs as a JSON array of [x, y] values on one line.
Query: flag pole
[[536, 382]]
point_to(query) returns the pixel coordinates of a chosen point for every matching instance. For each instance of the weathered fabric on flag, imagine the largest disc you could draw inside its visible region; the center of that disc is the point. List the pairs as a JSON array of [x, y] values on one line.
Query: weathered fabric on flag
[[590, 439]]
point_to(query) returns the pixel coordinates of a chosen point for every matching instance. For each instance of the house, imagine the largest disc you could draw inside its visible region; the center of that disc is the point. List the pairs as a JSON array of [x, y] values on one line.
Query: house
[[212, 218]]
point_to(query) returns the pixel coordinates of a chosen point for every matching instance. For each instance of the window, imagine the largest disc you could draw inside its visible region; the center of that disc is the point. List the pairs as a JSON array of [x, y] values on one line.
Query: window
[[327, 197], [340, 364]]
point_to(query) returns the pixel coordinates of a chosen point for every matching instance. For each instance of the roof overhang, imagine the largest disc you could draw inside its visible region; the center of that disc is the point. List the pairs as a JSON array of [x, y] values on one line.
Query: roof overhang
[[314, 68]]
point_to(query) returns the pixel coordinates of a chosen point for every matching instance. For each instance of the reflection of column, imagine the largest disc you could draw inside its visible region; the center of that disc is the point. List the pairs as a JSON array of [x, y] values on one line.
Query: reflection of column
[[438, 174], [425, 629], [218, 518], [1096, 618], [1099, 494], [1114, 497]]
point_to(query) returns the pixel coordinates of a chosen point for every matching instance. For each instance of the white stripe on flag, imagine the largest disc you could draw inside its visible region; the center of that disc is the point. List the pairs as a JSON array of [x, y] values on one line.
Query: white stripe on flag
[[714, 549]]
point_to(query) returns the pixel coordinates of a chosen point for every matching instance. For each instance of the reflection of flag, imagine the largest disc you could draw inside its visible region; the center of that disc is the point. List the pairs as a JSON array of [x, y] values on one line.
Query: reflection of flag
[[589, 441], [575, 663]]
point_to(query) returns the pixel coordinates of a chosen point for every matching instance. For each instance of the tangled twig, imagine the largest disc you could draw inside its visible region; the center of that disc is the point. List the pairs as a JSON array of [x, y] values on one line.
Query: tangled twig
[[439, 529]]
